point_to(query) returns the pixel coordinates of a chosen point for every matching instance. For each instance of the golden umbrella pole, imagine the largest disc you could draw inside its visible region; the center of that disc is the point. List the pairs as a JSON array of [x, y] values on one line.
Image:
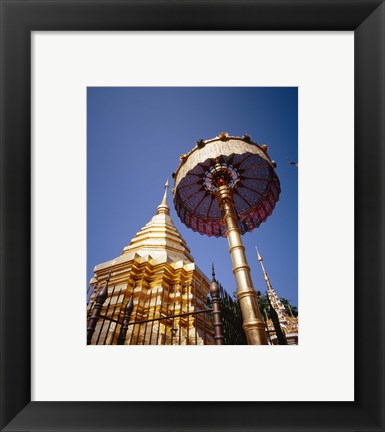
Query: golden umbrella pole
[[215, 182], [252, 320]]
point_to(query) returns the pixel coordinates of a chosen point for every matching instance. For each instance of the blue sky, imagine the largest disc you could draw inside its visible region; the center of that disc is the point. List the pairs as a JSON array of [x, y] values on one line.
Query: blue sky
[[134, 139]]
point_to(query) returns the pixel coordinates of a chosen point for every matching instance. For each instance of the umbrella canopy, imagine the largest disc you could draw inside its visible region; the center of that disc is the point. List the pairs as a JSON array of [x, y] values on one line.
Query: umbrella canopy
[[246, 169]]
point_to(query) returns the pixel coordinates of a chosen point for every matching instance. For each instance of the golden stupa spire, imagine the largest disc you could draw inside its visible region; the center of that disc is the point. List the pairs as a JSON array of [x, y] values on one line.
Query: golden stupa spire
[[159, 237], [163, 206]]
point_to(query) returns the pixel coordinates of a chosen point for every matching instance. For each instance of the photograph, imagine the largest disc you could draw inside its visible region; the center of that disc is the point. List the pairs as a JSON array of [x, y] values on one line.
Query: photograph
[[192, 216], [206, 177]]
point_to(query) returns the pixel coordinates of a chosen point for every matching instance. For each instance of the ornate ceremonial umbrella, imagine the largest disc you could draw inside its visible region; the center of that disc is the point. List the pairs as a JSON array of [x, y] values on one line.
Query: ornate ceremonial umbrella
[[227, 186]]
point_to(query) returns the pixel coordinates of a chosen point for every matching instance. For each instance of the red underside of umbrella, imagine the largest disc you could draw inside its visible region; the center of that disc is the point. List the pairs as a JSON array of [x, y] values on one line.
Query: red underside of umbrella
[[255, 187]]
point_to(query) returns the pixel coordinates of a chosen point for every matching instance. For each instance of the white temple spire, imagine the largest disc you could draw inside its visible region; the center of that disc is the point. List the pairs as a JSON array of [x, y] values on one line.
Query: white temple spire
[[273, 297]]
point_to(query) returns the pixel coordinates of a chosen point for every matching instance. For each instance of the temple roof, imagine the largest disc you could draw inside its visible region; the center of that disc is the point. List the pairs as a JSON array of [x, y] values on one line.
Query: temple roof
[[159, 238]]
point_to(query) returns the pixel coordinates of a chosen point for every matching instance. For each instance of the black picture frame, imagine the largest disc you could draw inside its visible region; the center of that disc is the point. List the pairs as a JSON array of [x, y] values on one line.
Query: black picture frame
[[18, 19]]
